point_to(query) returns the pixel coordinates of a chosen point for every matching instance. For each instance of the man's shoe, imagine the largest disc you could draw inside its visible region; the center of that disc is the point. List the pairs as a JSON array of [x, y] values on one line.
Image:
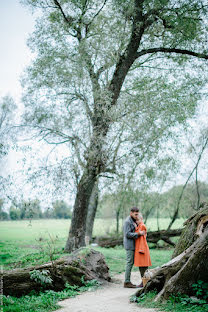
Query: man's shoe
[[129, 285]]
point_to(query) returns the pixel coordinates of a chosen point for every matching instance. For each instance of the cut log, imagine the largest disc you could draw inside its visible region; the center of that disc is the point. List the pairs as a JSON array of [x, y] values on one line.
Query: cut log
[[83, 263], [191, 265], [152, 237]]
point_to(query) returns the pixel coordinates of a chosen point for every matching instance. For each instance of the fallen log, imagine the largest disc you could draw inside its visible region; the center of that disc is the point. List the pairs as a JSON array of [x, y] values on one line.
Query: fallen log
[[152, 237], [82, 265], [189, 266]]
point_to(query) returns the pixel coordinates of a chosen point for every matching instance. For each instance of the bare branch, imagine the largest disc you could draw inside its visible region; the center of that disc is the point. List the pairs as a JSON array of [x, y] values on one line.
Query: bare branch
[[172, 50], [88, 25], [183, 189], [62, 12]]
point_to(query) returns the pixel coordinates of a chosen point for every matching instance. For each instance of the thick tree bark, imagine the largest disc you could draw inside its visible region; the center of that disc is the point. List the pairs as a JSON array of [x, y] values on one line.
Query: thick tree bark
[[76, 238], [85, 262], [191, 265], [92, 209], [192, 230]]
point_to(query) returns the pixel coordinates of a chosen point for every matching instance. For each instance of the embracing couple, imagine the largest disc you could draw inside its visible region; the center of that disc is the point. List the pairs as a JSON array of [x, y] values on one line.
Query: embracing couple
[[137, 251]]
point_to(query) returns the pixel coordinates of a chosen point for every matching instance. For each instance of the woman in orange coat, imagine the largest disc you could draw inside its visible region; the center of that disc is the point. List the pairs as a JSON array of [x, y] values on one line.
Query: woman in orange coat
[[141, 254]]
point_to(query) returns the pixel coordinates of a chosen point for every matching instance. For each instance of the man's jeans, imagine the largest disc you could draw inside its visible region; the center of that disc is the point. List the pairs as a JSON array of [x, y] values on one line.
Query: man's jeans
[[129, 264]]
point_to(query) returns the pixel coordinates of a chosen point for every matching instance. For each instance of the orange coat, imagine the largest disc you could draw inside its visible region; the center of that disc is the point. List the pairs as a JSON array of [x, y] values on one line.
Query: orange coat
[[141, 254]]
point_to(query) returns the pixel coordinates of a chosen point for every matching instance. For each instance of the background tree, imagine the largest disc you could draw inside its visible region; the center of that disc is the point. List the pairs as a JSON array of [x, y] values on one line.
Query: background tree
[[14, 213], [61, 210], [3, 214], [201, 146], [94, 64]]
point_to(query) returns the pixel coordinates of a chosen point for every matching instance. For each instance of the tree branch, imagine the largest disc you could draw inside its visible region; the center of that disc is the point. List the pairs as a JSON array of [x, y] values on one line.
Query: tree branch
[[62, 12], [172, 50], [140, 23], [183, 189], [88, 25]]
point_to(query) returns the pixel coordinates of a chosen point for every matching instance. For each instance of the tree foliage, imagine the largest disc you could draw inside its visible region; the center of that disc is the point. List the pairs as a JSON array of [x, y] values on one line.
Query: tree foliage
[[7, 108], [110, 73], [153, 203]]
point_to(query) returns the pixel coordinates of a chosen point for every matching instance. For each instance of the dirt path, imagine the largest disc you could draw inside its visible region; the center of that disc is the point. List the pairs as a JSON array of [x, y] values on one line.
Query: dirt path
[[112, 297]]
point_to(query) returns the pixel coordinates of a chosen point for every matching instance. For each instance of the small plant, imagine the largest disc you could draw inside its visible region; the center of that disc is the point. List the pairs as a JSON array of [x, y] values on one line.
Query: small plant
[[71, 287], [41, 277], [89, 285], [201, 290]]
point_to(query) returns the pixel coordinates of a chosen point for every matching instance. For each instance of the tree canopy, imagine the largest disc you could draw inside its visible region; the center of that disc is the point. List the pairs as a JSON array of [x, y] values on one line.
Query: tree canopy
[[109, 73]]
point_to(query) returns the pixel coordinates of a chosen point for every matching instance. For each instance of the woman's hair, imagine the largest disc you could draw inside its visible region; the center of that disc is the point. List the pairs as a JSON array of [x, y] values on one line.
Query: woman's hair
[[140, 216], [134, 209]]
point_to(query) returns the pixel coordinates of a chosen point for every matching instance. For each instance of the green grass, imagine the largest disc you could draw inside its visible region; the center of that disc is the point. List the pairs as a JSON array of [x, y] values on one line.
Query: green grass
[[170, 305], [24, 244], [116, 258], [45, 301]]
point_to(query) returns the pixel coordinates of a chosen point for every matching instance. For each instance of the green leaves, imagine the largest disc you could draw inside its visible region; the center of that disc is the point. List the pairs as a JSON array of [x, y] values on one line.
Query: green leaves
[[41, 277]]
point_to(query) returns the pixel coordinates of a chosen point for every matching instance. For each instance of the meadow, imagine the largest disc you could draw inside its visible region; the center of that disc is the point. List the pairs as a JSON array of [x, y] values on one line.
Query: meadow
[[24, 243]]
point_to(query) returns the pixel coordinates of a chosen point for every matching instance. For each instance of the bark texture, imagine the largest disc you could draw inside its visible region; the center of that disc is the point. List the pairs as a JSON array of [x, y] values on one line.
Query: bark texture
[[76, 238], [92, 209], [86, 263], [191, 265], [193, 229]]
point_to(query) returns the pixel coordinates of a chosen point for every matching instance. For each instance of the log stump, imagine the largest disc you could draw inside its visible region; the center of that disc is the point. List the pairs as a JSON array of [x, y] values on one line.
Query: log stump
[[82, 265]]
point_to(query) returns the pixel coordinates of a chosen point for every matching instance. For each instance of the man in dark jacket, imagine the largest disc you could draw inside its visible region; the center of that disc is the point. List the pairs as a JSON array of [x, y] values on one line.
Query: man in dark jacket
[[129, 244]]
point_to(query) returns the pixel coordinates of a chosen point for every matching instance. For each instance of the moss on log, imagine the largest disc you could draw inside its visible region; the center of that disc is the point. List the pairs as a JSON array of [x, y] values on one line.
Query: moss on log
[[84, 264]]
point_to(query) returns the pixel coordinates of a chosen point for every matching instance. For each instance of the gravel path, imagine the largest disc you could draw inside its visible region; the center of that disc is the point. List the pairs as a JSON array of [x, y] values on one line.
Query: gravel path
[[111, 297]]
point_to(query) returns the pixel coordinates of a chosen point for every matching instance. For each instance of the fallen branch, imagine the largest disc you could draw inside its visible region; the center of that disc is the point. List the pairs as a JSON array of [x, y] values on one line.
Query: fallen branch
[[152, 237]]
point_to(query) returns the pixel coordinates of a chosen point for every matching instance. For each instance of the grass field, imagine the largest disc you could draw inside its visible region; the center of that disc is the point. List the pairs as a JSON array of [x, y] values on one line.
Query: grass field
[[23, 243]]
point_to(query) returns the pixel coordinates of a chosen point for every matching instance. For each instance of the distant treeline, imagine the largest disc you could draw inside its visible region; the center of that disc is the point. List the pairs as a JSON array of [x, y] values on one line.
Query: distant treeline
[[32, 210], [154, 204], [117, 204]]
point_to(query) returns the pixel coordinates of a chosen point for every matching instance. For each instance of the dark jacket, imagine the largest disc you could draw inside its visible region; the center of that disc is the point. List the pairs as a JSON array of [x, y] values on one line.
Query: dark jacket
[[129, 234]]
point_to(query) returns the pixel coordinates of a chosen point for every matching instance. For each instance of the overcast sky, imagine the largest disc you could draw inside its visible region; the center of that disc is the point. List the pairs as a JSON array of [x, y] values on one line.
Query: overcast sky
[[16, 22]]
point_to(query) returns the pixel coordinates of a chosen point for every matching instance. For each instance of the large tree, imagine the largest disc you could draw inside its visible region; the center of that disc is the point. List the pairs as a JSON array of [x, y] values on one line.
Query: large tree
[[111, 72]]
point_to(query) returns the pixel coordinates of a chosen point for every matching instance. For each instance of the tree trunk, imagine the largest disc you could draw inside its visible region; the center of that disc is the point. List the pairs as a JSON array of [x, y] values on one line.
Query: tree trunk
[[86, 263], [76, 238], [101, 121], [117, 221], [192, 230], [92, 209], [189, 266]]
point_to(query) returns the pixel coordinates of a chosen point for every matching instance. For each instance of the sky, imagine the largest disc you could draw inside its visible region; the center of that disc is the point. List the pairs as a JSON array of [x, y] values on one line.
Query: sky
[[16, 23]]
